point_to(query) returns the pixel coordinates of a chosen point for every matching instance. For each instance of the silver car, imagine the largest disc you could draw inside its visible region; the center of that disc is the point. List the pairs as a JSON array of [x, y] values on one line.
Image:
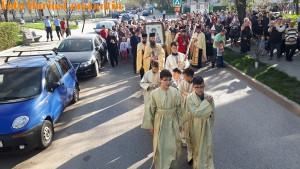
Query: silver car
[[108, 25]]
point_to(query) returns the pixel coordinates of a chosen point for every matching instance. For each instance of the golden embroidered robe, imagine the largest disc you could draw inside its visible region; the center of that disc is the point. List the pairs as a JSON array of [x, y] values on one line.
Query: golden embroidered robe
[[196, 45]]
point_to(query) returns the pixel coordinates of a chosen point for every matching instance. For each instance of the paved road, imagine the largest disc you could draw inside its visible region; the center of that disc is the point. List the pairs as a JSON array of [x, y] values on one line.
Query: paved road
[[103, 129]]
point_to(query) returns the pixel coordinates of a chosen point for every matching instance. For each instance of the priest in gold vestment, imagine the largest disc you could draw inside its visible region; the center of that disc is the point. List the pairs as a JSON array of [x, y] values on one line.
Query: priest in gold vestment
[[198, 48], [153, 51], [140, 55]]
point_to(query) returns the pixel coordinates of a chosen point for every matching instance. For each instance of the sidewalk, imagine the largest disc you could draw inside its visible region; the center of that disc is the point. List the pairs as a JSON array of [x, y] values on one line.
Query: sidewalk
[[43, 44], [291, 68]]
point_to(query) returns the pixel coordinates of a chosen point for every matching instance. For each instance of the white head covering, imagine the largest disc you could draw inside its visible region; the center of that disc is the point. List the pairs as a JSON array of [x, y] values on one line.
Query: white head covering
[[213, 28]]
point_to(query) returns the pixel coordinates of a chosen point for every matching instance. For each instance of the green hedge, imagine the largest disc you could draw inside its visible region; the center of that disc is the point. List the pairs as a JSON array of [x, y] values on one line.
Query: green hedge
[[219, 8], [9, 32]]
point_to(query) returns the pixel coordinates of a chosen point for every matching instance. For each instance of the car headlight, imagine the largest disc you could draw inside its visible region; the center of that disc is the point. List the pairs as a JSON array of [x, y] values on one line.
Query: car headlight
[[86, 64], [20, 122]]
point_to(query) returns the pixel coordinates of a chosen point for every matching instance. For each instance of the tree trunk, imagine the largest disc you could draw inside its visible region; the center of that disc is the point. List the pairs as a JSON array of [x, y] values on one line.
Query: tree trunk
[[83, 24], [296, 6], [241, 9], [5, 15], [57, 8], [49, 12], [14, 15]]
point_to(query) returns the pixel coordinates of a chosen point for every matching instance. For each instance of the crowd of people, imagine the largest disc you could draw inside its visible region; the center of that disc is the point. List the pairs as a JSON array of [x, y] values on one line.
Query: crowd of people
[[178, 112], [268, 31]]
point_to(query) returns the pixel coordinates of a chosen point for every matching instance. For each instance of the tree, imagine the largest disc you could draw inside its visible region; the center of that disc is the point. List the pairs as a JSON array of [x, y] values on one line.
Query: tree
[[85, 15], [296, 2], [69, 11], [241, 9], [5, 11], [134, 4]]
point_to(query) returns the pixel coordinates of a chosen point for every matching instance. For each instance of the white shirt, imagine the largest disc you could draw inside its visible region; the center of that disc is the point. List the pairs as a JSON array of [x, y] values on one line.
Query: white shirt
[[177, 62], [123, 46]]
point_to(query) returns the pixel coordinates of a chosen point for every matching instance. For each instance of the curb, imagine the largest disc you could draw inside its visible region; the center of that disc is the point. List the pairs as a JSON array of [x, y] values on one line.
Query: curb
[[288, 104], [9, 49]]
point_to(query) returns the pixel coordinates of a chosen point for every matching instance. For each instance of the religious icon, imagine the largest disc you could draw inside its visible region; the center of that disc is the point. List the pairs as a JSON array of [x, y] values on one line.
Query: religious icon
[[158, 29]]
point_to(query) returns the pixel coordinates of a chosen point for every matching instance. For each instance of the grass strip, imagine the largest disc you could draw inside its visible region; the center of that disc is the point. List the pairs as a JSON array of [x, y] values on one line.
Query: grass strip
[[41, 26], [275, 79]]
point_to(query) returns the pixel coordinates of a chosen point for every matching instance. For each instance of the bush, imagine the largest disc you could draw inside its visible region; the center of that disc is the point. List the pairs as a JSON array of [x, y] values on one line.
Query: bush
[[9, 32], [170, 11], [186, 10], [293, 17], [219, 8]]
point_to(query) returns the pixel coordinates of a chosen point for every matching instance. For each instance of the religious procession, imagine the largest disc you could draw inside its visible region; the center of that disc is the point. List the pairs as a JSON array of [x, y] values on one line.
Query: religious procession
[[178, 113]]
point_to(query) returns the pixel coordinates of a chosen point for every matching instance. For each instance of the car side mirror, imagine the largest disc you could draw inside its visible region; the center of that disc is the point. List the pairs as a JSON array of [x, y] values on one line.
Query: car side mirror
[[55, 85], [55, 50]]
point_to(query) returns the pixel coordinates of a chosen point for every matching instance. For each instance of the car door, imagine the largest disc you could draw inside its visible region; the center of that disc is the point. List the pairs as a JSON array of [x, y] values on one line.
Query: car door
[[97, 53], [103, 52], [56, 97], [67, 79]]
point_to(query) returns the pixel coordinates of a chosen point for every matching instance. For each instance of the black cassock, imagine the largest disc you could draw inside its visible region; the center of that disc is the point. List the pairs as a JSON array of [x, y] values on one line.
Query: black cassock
[[112, 49], [245, 39]]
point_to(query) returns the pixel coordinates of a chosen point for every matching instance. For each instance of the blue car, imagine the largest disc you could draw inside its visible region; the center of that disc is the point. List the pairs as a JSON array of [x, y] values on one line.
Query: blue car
[[34, 91]]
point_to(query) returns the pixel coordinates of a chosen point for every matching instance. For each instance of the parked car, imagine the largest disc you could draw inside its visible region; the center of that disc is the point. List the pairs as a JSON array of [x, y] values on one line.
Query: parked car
[[145, 13], [116, 21], [34, 91], [116, 15], [87, 53], [128, 17], [108, 25]]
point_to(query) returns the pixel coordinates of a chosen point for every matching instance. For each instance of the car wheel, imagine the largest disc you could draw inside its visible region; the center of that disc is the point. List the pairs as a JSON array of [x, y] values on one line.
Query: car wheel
[[96, 69], [75, 95], [46, 134]]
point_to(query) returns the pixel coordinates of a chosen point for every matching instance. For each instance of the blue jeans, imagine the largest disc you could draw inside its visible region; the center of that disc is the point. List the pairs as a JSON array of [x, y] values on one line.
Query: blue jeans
[[220, 61]]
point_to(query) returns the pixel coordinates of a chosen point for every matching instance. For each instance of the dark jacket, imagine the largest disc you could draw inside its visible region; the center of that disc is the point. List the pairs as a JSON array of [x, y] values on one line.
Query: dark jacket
[[275, 36], [134, 40], [112, 46]]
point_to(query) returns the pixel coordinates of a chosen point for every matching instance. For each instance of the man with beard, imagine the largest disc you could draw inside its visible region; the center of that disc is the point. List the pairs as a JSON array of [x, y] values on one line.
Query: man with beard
[[134, 40], [140, 55], [112, 46], [198, 48], [153, 51]]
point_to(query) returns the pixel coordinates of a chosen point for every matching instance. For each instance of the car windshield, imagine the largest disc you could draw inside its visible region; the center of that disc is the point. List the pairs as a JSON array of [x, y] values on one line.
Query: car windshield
[[75, 45], [107, 25], [19, 83]]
